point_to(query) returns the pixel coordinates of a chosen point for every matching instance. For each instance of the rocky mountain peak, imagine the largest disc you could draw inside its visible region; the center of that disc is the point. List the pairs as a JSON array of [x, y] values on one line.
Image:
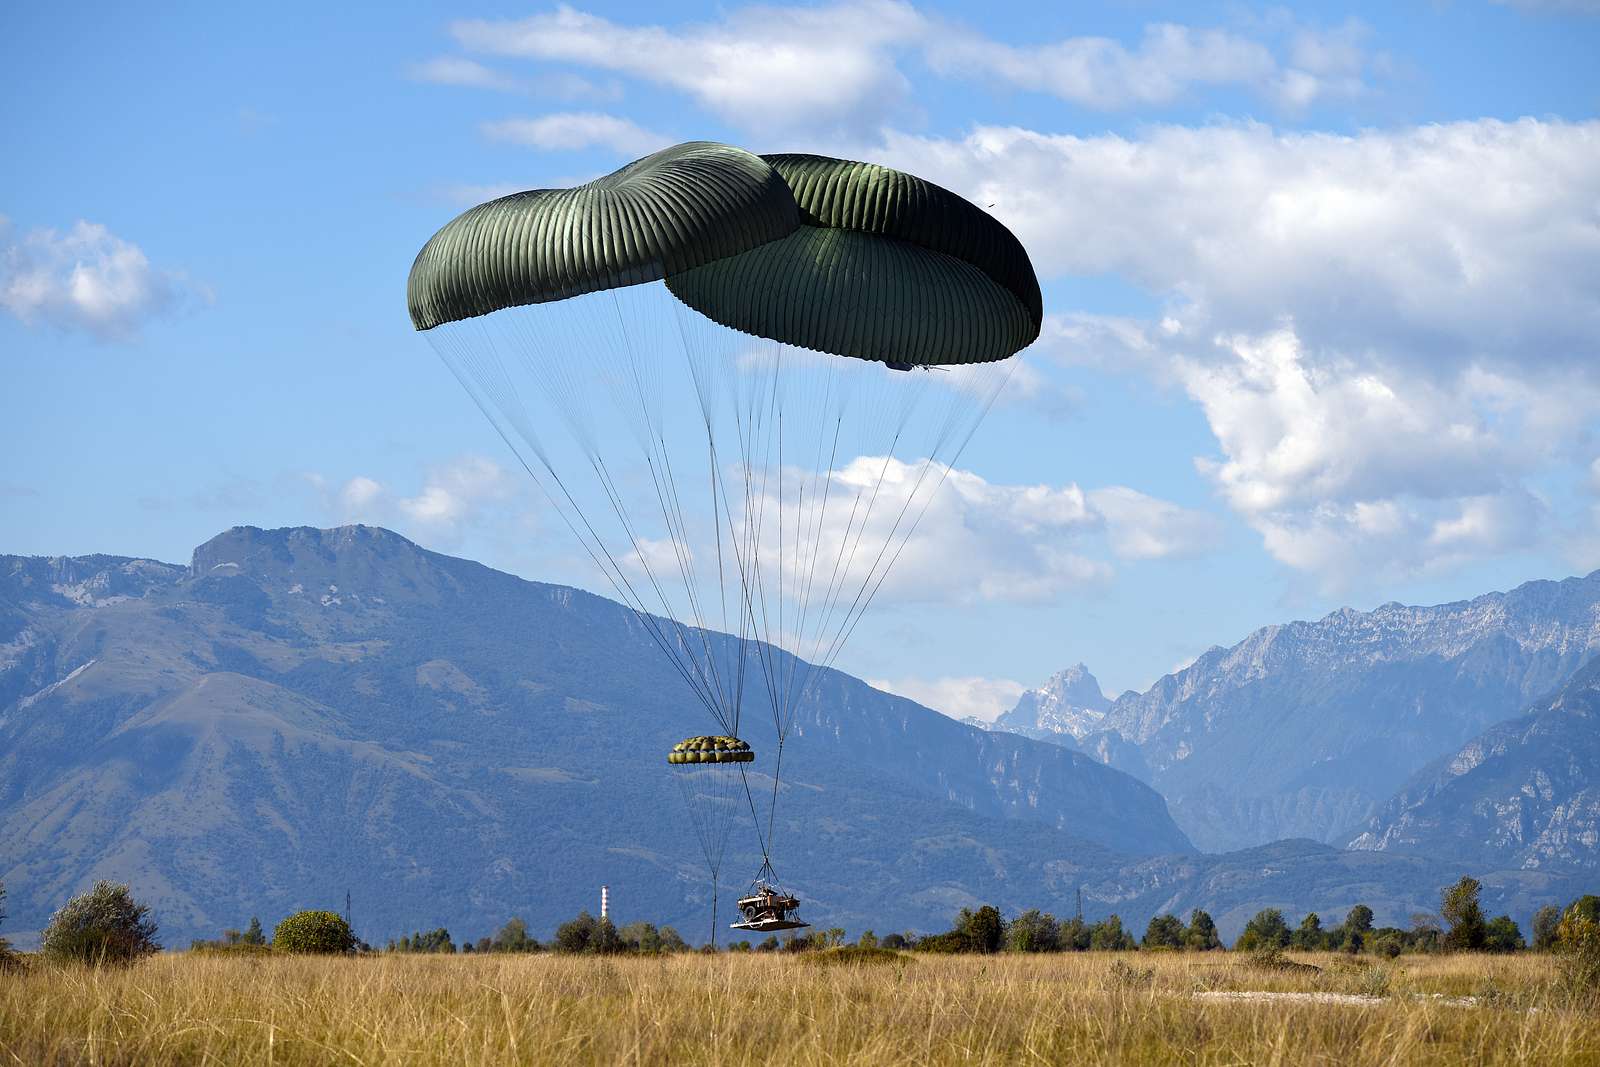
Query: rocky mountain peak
[[249, 550], [1070, 702], [1077, 687]]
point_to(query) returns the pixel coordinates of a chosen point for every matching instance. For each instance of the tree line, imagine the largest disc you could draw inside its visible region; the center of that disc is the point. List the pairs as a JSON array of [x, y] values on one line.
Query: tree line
[[106, 924]]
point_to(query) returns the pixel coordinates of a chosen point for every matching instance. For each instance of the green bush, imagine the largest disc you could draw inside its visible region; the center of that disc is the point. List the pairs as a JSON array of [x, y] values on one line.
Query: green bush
[[588, 936], [1032, 931], [1265, 930], [1107, 935], [1310, 936], [1459, 905], [1388, 944], [1578, 941], [1201, 933], [1164, 931], [103, 926], [315, 932], [1545, 921], [1503, 935]]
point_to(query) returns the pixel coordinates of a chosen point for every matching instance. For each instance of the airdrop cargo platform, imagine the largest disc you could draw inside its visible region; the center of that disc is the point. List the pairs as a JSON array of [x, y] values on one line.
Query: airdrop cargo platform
[[767, 909]]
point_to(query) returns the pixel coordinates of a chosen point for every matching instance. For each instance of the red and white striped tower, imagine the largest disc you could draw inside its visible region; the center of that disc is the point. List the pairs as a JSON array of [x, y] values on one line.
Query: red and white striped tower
[[605, 902]]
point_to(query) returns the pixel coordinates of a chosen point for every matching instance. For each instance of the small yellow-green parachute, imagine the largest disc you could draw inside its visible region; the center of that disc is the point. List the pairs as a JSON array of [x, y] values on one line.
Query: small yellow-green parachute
[[708, 749]]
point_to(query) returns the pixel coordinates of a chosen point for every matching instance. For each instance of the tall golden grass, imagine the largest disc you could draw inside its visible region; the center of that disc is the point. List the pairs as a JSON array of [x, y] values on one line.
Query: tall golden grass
[[745, 1009]]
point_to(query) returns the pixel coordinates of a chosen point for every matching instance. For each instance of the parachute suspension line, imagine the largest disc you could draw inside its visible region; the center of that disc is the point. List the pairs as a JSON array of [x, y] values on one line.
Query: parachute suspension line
[[489, 374], [659, 462], [820, 469], [757, 421], [767, 870], [711, 795], [613, 573], [972, 429], [786, 572], [634, 365]]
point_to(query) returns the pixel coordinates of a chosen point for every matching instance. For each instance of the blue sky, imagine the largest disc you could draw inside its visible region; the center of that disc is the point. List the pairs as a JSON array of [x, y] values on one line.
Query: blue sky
[[1320, 284]]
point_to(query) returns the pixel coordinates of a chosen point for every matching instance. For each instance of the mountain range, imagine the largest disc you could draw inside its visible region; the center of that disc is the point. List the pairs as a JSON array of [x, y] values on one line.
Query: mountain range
[[300, 713], [1307, 729], [1525, 793]]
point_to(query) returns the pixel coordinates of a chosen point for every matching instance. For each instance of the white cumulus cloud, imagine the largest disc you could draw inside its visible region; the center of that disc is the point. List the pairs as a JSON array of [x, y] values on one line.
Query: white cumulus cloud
[[468, 73], [578, 129], [1141, 526], [1169, 63], [967, 539], [767, 67], [86, 279], [1459, 242], [452, 497], [842, 68], [1392, 335], [960, 697]]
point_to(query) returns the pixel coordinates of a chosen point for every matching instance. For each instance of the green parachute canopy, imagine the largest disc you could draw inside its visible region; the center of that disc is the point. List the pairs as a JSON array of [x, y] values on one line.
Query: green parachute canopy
[[884, 266], [672, 210], [847, 258], [711, 749]]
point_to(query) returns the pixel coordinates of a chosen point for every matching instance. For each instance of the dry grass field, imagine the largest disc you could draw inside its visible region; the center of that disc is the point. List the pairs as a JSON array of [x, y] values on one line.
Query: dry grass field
[[1138, 1008]]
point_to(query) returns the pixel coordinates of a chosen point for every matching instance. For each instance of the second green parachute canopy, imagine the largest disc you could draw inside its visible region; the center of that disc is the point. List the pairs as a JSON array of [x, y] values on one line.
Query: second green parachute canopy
[[741, 382]]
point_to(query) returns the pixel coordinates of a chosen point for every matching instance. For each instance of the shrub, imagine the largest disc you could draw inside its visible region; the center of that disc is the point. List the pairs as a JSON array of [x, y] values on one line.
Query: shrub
[[587, 935], [512, 937], [647, 940], [975, 931], [1164, 931], [104, 925], [1270, 957], [983, 930], [249, 943], [1201, 934], [1545, 922], [1352, 935], [1310, 936], [1459, 905], [315, 932], [1578, 941], [437, 940], [1375, 982], [1033, 931], [1503, 935], [1388, 943], [1075, 936], [1265, 930], [1425, 934], [1126, 976], [1107, 935]]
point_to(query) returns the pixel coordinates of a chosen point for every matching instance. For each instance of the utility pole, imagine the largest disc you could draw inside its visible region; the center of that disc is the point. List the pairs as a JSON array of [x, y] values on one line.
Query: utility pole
[[347, 920], [1080, 903]]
